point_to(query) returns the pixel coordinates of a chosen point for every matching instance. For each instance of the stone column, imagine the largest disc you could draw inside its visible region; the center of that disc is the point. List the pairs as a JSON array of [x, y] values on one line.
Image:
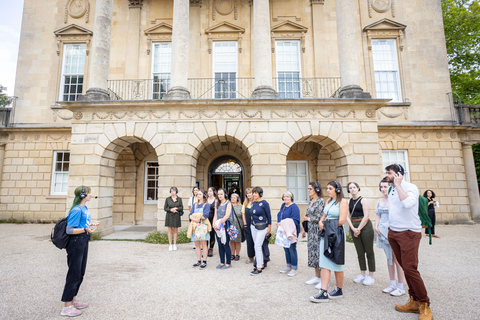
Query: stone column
[[262, 51], [472, 183], [100, 52], [347, 52], [180, 52], [133, 39]]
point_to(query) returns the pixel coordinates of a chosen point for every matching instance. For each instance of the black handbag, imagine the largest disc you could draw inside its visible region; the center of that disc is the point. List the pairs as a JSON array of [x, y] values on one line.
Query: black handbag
[[260, 226], [305, 226]]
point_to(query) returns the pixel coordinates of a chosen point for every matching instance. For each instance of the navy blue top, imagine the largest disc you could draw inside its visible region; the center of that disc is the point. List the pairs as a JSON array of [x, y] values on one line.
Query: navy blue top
[[261, 212], [292, 212], [206, 209]]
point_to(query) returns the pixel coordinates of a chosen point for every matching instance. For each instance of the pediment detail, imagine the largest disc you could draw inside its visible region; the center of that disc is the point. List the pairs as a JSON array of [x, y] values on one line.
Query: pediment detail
[[225, 31], [289, 26], [385, 24], [288, 30], [159, 33], [72, 29], [225, 27], [73, 34]]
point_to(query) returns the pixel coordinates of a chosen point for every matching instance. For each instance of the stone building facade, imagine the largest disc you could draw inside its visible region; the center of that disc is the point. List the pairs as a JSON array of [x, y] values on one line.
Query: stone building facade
[[133, 97]]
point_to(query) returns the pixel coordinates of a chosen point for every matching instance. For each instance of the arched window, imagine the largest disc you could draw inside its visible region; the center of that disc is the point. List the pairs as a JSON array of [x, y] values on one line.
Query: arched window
[[229, 166]]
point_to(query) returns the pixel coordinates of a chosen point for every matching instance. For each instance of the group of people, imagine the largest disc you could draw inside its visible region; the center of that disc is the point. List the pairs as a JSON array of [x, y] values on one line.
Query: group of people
[[213, 216]]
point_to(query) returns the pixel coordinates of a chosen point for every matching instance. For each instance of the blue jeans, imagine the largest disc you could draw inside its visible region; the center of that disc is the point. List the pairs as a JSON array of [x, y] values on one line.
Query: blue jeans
[[224, 250], [291, 256]]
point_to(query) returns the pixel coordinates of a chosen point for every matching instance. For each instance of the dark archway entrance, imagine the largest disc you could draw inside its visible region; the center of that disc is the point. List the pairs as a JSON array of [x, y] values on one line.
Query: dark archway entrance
[[227, 172]]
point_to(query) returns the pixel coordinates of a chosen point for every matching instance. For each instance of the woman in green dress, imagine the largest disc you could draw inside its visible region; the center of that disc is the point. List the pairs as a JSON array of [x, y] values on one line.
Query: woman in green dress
[[173, 209]]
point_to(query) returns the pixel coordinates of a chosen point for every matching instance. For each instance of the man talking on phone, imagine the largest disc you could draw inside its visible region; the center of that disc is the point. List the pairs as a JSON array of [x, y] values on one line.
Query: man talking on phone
[[404, 236]]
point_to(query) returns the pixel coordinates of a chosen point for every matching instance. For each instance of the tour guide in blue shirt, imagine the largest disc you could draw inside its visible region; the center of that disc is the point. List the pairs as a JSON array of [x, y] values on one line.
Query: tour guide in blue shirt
[[404, 235]]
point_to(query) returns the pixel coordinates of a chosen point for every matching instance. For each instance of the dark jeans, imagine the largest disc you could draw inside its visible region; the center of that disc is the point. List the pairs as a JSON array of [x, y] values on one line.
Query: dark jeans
[[405, 247], [213, 235], [291, 256], [224, 250], [431, 214], [250, 244], [364, 246], [77, 252]]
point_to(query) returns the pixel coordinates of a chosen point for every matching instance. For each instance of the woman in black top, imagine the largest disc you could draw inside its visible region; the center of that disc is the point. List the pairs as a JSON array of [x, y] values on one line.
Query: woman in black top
[[361, 230], [261, 225], [173, 208], [212, 201], [429, 194]]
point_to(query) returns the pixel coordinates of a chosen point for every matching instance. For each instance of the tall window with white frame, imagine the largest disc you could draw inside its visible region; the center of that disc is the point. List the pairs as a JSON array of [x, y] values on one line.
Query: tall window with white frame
[[61, 165], [297, 180], [73, 67], [385, 66], [288, 69], [225, 66], [161, 68], [151, 182], [396, 157]]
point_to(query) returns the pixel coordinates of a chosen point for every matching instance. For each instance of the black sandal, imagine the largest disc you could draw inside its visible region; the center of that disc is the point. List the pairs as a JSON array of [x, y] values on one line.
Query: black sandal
[[237, 257]]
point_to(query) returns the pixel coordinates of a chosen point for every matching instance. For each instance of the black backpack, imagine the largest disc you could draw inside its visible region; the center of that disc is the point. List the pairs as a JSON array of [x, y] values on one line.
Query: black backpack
[[59, 234]]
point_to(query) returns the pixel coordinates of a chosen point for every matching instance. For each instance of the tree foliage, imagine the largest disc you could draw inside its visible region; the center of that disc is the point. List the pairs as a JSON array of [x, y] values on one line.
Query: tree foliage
[[461, 20], [4, 99]]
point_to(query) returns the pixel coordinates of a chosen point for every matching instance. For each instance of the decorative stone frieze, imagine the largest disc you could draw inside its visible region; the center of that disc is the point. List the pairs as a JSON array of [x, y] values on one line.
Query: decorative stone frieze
[[317, 1], [77, 9], [288, 30], [135, 3]]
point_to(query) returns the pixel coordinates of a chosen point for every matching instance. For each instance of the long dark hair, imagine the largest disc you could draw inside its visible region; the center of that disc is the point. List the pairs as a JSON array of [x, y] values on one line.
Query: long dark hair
[[314, 185], [224, 196], [204, 198], [335, 184]]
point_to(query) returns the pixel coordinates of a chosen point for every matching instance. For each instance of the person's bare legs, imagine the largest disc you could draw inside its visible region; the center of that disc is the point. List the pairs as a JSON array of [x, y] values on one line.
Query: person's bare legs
[[198, 250], [325, 273], [175, 235], [317, 273], [205, 250], [170, 236], [339, 279]]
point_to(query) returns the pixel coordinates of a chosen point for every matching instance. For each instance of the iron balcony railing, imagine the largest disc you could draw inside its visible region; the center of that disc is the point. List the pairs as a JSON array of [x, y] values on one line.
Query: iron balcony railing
[[225, 86], [7, 113]]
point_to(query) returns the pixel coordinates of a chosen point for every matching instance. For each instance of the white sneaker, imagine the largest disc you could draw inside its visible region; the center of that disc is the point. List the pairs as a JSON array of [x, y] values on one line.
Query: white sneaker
[[359, 278], [286, 270], [170, 247], [174, 247], [319, 286], [389, 289], [314, 280], [292, 273], [397, 292], [368, 281]]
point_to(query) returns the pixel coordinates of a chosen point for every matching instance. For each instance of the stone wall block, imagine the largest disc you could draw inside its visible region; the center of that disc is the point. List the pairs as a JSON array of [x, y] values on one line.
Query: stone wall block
[[258, 127], [277, 126], [211, 129], [95, 128], [294, 131], [249, 140], [243, 130], [351, 126], [221, 128], [120, 128], [335, 131], [305, 128], [366, 148]]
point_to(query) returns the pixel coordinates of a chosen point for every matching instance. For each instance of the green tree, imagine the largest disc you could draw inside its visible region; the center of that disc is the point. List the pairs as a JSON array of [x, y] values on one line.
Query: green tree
[[4, 99], [461, 20]]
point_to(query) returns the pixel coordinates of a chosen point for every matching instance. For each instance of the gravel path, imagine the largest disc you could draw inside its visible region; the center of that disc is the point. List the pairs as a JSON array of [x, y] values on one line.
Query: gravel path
[[134, 280]]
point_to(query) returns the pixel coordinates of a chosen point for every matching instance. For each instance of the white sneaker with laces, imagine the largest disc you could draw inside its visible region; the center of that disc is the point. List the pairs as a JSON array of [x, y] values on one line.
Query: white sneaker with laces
[[286, 270], [170, 247], [389, 289], [314, 280], [292, 273], [319, 286], [70, 311], [360, 278], [174, 247], [397, 292], [368, 281]]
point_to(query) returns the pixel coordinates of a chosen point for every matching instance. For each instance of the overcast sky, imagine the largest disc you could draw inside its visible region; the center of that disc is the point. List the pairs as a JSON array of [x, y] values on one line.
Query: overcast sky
[[10, 25]]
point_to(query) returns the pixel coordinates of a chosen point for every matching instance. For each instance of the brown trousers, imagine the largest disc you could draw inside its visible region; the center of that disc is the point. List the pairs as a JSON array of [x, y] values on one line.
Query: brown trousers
[[405, 247]]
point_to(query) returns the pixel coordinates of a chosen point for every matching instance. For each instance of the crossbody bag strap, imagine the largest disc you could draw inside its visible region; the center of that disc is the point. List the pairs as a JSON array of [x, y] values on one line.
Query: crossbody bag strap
[[355, 205]]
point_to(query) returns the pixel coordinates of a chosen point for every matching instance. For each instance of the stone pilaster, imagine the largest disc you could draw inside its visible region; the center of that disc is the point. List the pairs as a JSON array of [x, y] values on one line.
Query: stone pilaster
[[180, 44], [100, 54], [472, 183], [347, 52], [262, 51], [133, 39]]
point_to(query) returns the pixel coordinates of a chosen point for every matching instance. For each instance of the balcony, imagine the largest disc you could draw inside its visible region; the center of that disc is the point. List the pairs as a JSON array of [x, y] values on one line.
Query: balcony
[[7, 114], [468, 114], [225, 87]]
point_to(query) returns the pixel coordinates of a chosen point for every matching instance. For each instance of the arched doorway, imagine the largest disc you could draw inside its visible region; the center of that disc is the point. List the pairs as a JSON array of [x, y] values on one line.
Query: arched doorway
[[227, 172]]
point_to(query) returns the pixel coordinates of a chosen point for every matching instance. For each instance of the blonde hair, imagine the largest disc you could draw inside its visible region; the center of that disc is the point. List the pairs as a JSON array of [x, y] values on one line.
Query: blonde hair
[[247, 201]]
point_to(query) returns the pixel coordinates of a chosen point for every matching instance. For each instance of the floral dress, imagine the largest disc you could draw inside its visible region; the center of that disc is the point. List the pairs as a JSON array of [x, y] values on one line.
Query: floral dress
[[314, 212], [381, 210]]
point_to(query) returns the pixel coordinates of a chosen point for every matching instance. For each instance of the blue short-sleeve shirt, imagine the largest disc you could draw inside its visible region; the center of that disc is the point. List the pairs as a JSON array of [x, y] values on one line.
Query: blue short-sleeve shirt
[[79, 217]]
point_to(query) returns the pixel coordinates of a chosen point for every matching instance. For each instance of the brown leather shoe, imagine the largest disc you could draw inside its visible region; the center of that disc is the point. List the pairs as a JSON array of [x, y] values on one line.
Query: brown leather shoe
[[425, 311], [412, 306]]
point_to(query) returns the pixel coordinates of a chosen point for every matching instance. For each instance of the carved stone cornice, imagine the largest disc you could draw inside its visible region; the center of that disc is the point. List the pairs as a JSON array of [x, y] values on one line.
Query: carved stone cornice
[[196, 3], [135, 3], [317, 1]]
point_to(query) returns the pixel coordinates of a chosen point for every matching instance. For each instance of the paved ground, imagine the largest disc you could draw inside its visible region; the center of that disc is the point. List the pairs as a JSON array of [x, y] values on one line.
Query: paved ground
[[134, 280]]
